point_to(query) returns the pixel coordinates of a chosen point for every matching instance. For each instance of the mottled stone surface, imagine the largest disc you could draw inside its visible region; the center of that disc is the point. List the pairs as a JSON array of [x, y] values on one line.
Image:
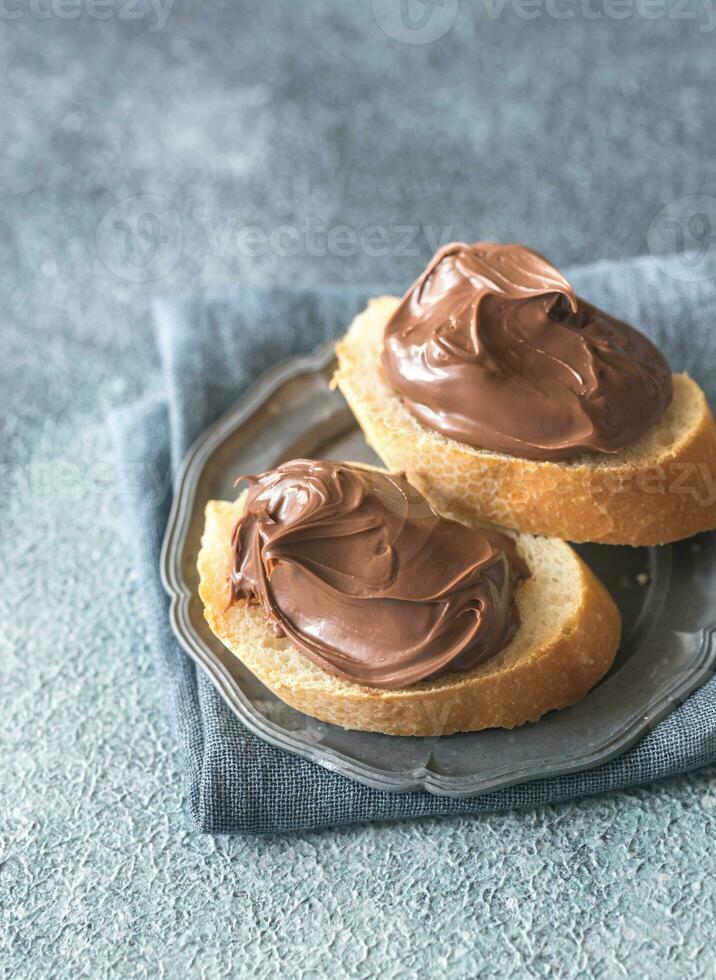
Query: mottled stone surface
[[569, 135]]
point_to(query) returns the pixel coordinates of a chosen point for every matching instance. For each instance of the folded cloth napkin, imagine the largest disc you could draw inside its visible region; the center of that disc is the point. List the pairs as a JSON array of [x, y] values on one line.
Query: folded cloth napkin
[[212, 347]]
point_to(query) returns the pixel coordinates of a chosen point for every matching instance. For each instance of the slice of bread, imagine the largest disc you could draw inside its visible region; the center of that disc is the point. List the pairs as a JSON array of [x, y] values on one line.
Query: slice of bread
[[567, 640], [661, 488]]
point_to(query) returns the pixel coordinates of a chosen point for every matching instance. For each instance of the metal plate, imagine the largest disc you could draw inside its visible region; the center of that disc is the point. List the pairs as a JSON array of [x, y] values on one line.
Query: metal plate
[[667, 597]]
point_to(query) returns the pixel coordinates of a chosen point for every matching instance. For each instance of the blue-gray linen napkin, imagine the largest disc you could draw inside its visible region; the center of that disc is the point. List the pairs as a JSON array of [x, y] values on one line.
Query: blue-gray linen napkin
[[212, 347]]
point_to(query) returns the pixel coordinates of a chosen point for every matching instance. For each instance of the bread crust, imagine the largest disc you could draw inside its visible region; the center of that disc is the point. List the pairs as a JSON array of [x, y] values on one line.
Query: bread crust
[[518, 685], [660, 489]]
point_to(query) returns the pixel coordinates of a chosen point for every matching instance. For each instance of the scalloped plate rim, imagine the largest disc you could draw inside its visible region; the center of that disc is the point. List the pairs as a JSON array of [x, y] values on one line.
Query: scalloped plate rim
[[438, 784]]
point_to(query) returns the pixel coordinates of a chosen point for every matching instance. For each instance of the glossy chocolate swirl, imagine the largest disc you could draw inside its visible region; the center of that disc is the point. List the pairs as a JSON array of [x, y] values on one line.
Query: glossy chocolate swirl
[[365, 579], [492, 347]]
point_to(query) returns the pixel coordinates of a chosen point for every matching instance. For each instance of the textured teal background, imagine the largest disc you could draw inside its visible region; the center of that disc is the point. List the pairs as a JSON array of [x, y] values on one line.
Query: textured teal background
[[569, 135]]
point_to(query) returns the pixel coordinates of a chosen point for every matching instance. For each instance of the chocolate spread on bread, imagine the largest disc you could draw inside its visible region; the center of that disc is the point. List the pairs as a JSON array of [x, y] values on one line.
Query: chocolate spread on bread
[[492, 347], [365, 579]]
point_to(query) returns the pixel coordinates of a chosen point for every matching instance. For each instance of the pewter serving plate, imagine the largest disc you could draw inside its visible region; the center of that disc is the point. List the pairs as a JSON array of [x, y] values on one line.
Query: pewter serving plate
[[667, 597]]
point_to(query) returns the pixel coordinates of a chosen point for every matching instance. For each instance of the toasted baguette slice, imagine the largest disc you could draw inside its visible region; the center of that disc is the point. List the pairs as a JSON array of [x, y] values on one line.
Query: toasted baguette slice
[[566, 642], [661, 488]]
